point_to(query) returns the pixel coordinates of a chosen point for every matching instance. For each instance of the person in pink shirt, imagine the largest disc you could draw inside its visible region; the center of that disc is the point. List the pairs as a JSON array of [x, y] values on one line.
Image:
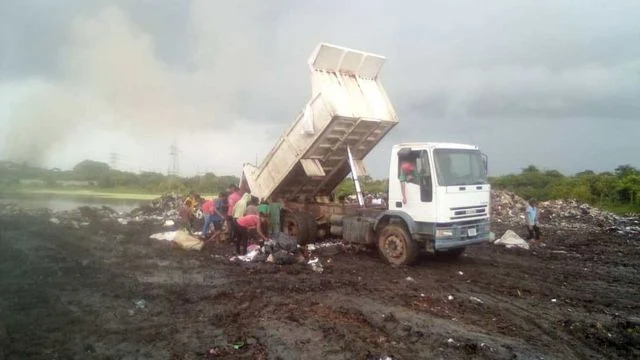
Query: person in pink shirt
[[246, 224], [233, 197]]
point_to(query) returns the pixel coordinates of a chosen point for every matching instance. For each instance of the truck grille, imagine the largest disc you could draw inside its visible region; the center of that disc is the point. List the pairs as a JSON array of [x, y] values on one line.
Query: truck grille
[[467, 212]]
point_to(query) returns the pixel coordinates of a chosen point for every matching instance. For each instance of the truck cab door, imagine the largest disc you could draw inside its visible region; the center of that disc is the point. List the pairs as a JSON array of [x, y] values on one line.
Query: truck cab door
[[419, 191]]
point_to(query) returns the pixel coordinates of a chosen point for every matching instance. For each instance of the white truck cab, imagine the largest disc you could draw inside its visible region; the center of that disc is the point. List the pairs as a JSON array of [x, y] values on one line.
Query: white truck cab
[[446, 196]]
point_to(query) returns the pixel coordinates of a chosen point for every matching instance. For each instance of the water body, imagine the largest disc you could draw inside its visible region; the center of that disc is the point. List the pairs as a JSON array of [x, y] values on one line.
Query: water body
[[64, 203]]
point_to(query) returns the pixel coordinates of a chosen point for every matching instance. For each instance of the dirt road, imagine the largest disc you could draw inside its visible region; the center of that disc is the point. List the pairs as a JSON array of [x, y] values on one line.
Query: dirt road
[[109, 292]]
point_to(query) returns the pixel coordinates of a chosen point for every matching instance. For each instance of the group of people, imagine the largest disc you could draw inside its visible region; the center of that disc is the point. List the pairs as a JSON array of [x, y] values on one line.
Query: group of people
[[244, 217]]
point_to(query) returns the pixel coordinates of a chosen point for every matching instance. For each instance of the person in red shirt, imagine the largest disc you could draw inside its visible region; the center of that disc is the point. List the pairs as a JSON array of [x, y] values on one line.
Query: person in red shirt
[[212, 210], [245, 225]]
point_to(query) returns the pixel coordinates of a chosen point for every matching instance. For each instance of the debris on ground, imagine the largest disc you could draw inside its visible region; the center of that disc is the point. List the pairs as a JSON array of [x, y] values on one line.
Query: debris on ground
[[181, 238], [140, 303], [165, 236], [510, 239], [102, 268], [475, 300], [316, 265]]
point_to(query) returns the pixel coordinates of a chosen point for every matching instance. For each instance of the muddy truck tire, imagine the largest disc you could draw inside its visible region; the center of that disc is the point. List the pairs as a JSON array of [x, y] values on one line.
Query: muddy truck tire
[[396, 245], [300, 225]]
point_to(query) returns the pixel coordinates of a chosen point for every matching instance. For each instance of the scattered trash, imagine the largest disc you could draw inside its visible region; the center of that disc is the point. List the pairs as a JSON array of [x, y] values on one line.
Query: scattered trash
[[169, 223], [554, 300], [451, 341], [238, 346], [249, 256], [409, 278], [140, 303], [283, 258], [476, 300], [165, 236], [460, 273], [269, 258], [54, 221], [510, 239], [316, 265], [187, 241], [450, 297], [123, 221], [281, 242], [182, 238], [252, 247]]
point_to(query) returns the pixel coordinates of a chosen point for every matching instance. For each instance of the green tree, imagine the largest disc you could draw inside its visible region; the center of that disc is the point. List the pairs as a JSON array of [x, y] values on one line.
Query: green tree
[[91, 170]]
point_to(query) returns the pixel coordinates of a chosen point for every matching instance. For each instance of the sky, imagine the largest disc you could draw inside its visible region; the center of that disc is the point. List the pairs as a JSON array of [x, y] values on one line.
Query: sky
[[550, 83]]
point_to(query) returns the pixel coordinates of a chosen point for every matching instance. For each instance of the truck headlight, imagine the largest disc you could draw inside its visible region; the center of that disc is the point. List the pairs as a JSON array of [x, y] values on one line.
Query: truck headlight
[[444, 232]]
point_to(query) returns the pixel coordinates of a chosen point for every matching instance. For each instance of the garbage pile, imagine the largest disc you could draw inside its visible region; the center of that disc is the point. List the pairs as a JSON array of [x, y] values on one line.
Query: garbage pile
[[165, 206], [284, 250], [507, 207]]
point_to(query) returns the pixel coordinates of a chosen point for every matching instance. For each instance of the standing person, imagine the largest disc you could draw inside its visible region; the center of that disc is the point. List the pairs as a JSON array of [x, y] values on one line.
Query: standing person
[[219, 214], [532, 220], [232, 199], [264, 208], [252, 207], [244, 225], [187, 211], [207, 208], [212, 211]]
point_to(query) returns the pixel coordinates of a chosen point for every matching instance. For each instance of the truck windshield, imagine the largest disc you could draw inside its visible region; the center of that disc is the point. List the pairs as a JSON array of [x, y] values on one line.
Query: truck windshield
[[456, 167]]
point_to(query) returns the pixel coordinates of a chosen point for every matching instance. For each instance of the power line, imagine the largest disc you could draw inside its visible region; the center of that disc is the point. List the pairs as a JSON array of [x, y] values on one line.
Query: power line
[[113, 160], [174, 167]]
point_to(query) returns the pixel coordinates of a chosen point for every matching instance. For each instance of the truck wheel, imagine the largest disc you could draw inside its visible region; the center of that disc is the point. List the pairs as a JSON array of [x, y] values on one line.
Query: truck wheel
[[451, 254], [300, 225], [396, 245]]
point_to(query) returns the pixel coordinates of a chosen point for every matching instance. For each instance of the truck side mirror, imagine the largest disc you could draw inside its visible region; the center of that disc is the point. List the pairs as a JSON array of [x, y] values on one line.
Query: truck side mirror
[[485, 161]]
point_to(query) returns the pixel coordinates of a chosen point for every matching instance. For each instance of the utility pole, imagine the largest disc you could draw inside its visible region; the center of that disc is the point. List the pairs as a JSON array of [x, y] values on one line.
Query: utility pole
[[174, 167], [113, 160]]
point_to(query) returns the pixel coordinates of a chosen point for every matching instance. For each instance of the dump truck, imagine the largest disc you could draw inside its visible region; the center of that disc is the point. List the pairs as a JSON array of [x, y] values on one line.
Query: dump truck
[[438, 199]]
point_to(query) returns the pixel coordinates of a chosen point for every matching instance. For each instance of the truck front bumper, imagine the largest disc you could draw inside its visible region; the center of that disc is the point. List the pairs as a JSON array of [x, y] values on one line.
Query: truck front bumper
[[461, 235]]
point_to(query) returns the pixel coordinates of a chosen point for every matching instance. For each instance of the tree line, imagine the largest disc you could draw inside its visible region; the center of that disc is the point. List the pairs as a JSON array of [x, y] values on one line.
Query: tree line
[[89, 173], [618, 190]]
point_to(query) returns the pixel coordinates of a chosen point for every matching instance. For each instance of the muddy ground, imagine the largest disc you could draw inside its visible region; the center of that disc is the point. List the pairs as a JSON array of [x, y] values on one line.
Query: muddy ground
[[109, 292]]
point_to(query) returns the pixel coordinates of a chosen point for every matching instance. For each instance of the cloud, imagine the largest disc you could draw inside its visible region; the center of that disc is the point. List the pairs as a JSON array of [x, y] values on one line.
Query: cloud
[[227, 68]]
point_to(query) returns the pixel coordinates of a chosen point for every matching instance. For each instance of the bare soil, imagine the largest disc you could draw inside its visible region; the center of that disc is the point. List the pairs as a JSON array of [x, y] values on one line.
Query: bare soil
[[109, 292]]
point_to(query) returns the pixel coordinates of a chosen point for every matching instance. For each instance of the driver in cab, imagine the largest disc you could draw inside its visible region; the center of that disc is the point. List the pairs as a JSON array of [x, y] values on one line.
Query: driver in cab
[[407, 174]]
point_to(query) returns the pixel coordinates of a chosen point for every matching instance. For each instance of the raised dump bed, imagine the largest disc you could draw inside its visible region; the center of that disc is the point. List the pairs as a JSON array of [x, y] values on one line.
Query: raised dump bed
[[348, 107]]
